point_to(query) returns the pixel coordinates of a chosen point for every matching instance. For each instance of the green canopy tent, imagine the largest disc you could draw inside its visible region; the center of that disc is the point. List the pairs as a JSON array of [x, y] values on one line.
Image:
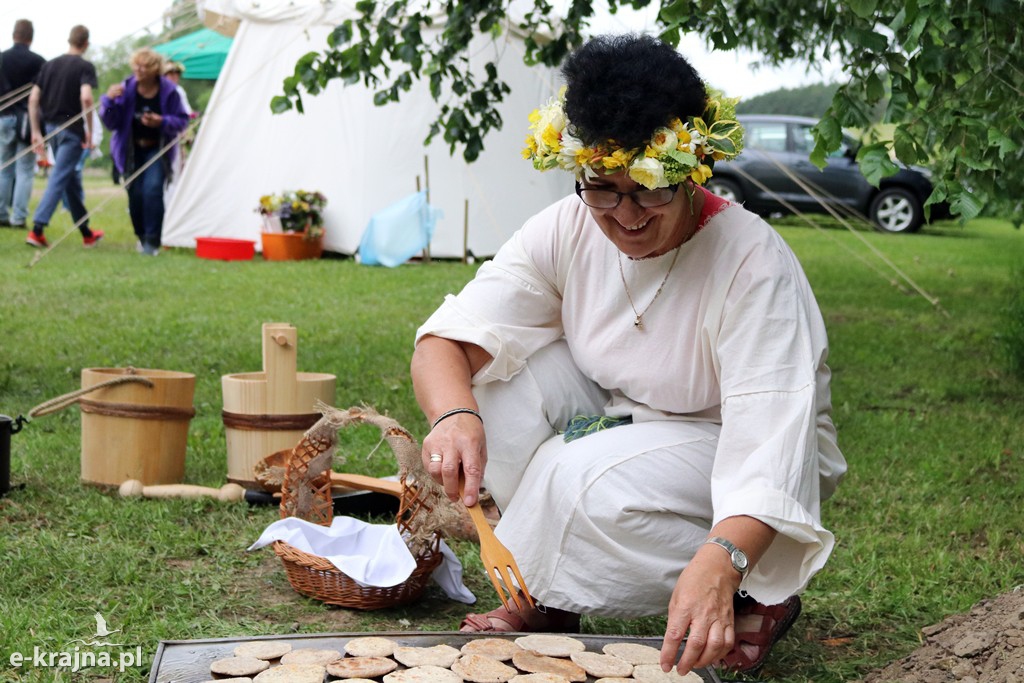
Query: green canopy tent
[[202, 53]]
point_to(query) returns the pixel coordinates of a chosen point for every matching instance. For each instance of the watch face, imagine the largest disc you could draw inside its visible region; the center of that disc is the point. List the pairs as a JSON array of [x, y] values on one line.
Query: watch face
[[739, 560]]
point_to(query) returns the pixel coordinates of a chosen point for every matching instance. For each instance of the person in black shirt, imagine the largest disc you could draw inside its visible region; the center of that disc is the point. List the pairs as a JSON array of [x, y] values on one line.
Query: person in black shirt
[[19, 67], [62, 100]]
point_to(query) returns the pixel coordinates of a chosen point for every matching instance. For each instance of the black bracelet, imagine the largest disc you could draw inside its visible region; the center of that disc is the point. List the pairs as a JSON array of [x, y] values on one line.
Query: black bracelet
[[456, 411]]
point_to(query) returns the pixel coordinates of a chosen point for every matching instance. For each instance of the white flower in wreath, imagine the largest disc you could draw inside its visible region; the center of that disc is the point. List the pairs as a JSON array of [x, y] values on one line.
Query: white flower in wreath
[[663, 140], [693, 144], [649, 172]]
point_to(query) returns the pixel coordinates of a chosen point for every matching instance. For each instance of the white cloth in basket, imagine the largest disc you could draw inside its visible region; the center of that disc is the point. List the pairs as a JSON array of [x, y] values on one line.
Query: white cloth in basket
[[370, 554]]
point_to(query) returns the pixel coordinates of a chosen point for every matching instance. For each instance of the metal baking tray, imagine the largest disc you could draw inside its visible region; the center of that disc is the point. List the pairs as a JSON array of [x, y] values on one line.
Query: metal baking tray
[[188, 661]]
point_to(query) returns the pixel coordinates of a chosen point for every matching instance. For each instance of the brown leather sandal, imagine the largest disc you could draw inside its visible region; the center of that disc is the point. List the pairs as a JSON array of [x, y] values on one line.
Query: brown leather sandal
[[481, 623], [545, 620], [776, 620]]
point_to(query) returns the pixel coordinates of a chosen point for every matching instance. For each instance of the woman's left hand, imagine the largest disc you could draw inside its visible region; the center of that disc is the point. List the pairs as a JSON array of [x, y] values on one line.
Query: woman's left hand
[[152, 120], [701, 604]]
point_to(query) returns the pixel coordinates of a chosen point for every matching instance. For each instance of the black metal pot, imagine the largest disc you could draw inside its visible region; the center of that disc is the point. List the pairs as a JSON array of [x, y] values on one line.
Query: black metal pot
[[8, 426]]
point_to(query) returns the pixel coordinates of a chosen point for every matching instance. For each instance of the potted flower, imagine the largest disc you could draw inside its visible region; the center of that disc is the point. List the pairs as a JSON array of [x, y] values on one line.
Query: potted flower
[[293, 225]]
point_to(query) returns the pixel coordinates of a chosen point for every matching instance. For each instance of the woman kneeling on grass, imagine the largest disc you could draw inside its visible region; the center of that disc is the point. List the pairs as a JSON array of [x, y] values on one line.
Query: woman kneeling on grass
[[679, 331]]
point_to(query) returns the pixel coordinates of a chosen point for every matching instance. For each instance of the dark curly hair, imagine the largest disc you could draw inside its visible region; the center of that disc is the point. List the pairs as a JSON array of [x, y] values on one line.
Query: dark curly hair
[[623, 87]]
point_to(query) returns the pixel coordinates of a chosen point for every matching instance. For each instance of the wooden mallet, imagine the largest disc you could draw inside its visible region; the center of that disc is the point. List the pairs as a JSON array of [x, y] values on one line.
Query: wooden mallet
[[226, 493]]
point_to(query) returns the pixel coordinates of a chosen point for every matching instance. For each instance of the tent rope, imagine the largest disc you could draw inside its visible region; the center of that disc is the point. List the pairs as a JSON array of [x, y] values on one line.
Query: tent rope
[[934, 301]]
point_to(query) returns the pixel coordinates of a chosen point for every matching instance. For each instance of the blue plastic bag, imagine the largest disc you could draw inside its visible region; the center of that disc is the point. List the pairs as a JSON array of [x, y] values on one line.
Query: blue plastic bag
[[399, 232]]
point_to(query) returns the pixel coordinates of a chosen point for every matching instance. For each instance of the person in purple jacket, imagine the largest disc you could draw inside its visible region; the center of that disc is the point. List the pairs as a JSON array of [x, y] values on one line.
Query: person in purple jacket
[[145, 115]]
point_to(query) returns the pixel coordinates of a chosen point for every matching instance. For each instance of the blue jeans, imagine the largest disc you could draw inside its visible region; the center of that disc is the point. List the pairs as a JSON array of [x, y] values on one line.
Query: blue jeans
[[15, 178], [67, 150], [78, 171], [146, 198]]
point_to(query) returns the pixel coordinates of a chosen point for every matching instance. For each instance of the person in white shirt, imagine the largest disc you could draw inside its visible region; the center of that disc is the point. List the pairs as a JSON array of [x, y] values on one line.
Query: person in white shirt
[[639, 378], [173, 72]]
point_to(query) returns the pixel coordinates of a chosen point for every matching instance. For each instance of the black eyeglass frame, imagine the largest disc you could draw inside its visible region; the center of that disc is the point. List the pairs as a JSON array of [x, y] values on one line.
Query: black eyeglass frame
[[632, 195]]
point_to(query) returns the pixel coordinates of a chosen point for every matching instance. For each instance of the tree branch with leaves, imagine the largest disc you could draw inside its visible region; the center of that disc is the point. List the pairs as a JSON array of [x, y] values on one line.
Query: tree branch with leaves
[[950, 74]]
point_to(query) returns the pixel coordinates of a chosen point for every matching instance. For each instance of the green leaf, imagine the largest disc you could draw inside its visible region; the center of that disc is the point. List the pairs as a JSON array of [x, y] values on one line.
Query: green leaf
[[875, 88], [827, 136], [280, 104], [1004, 144], [863, 8], [965, 204], [340, 35], [875, 163], [867, 39], [675, 13], [474, 146], [684, 158], [905, 146]]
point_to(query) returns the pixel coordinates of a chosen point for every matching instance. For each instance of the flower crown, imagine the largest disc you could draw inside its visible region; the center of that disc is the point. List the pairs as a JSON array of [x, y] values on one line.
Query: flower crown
[[674, 152]]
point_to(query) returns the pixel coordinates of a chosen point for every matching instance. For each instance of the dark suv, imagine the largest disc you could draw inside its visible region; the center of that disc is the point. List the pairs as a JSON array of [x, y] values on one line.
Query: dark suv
[[775, 145]]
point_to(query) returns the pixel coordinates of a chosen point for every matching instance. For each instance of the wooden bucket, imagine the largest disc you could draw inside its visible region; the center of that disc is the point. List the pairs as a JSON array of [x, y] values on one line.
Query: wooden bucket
[[268, 411], [131, 431]]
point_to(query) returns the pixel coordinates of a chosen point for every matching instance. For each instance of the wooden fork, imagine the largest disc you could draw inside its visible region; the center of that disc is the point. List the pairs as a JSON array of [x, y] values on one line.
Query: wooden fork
[[498, 561]]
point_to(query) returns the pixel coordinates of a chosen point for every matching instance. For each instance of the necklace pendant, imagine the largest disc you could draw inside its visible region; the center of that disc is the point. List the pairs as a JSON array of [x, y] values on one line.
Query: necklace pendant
[[639, 322]]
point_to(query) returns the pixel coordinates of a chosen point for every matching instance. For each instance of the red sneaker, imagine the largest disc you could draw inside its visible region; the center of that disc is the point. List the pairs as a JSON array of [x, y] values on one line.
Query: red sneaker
[[38, 241], [93, 239]]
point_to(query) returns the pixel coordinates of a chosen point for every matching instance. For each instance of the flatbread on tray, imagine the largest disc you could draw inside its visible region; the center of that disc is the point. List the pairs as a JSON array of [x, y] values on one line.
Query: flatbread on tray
[[437, 655], [239, 666], [541, 678], [292, 673], [361, 667], [634, 653], [311, 655], [652, 673], [535, 663], [602, 666], [483, 669], [263, 649], [370, 646], [550, 644], [495, 648], [423, 674]]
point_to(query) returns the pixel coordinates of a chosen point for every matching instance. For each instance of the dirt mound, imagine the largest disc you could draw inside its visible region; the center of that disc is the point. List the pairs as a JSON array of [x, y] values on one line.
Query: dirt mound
[[985, 645]]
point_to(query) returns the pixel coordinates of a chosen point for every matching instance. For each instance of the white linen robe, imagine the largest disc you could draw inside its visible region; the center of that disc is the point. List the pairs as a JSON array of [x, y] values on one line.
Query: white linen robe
[[726, 383]]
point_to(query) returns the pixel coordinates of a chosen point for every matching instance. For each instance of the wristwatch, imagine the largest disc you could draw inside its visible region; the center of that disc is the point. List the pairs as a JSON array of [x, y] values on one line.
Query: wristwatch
[[738, 557]]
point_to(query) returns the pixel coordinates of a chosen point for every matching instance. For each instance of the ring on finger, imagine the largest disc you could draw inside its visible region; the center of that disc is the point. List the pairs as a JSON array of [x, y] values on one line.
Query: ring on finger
[[435, 457]]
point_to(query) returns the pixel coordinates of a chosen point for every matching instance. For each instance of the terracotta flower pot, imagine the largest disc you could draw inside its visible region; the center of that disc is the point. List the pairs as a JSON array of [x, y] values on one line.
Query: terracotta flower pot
[[290, 246]]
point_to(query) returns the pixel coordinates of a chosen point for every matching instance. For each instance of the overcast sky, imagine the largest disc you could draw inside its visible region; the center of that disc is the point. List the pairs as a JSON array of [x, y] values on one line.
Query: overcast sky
[[111, 20]]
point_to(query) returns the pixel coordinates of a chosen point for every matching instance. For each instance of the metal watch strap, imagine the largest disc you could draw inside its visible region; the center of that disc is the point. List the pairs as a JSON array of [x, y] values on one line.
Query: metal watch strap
[[736, 556]]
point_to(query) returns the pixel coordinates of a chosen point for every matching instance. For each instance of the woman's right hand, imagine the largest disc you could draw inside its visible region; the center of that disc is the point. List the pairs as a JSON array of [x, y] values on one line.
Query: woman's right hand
[[462, 445], [442, 371], [115, 91]]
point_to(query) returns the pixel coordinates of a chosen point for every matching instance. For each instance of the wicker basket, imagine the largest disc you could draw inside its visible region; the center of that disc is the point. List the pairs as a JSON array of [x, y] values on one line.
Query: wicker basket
[[314, 576]]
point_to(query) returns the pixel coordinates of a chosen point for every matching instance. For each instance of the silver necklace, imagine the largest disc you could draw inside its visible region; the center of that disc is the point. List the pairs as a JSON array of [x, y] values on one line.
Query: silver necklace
[[638, 322]]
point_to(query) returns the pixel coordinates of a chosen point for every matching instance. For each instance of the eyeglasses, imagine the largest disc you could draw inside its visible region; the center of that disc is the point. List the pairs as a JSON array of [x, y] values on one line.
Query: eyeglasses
[[609, 199]]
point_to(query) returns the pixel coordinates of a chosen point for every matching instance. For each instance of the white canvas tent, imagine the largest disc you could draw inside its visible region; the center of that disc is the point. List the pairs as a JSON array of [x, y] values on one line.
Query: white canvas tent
[[362, 157]]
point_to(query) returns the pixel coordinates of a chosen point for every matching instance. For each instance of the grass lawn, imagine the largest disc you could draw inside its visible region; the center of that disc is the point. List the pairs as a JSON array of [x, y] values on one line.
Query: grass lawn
[[927, 522]]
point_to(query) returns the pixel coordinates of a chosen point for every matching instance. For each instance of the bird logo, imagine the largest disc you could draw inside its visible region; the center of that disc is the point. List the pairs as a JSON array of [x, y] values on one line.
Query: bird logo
[[101, 627], [102, 631]]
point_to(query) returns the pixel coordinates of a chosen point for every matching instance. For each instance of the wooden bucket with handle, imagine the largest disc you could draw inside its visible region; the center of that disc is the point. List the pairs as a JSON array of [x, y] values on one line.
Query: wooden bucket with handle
[[135, 430], [270, 410]]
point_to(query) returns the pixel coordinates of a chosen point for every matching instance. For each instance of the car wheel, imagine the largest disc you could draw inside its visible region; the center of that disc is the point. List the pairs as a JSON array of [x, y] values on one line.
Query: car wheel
[[896, 210], [726, 189]]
